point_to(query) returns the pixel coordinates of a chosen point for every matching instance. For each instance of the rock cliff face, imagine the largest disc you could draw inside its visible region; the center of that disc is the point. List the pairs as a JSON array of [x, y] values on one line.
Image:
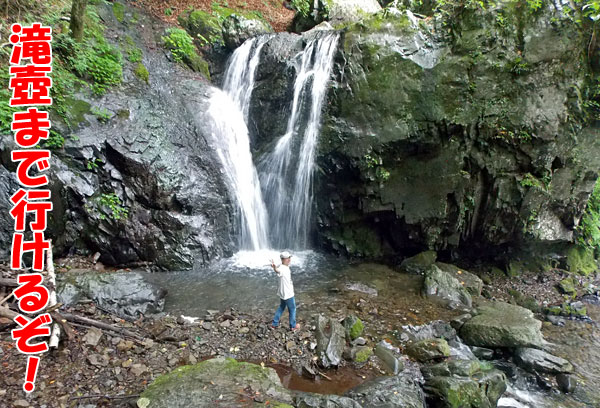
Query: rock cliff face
[[462, 137], [139, 178]]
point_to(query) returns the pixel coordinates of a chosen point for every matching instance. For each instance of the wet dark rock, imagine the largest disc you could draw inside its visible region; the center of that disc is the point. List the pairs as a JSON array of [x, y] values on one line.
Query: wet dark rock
[[464, 383], [145, 186], [437, 328], [566, 383], [396, 391], [331, 341], [499, 324], [458, 322], [419, 263], [534, 360], [428, 349], [445, 287], [483, 353], [308, 372], [392, 364], [423, 122], [125, 294], [8, 186], [237, 29], [544, 382], [310, 400]]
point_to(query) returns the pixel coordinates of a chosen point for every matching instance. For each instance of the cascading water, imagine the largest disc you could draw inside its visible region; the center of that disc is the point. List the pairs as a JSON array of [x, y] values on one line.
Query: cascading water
[[286, 172], [229, 110]]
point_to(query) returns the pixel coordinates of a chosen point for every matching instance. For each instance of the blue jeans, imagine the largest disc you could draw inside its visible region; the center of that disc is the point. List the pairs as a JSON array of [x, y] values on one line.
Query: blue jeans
[[291, 305]]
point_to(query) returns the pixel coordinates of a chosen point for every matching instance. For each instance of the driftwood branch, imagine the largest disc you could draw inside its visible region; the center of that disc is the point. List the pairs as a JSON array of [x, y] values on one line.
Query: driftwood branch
[[101, 325], [55, 336], [60, 319], [100, 396]]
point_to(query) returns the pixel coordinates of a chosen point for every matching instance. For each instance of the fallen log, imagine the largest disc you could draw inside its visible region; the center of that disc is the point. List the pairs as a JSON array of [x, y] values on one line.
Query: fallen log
[[8, 282], [101, 325]]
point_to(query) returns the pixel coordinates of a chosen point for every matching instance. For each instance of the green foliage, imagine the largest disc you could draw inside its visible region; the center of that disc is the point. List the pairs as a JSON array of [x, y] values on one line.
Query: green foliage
[[531, 181], [373, 163], [93, 59], [182, 47], [119, 11], [134, 54], [141, 72], [588, 231], [302, 6], [54, 141], [103, 115], [180, 43], [93, 164], [518, 66], [6, 112], [168, 11], [114, 205]]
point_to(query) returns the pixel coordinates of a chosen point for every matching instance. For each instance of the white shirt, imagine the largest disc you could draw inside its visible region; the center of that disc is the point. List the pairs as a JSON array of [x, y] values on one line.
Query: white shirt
[[286, 287]]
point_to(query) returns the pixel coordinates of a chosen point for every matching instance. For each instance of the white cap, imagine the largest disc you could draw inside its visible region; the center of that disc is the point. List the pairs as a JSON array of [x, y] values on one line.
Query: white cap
[[285, 255]]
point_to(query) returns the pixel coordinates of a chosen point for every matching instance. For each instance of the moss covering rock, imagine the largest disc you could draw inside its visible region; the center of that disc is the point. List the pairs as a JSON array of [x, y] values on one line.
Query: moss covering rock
[[218, 379], [419, 263], [581, 260], [428, 349], [353, 326], [499, 324], [445, 287], [464, 384]]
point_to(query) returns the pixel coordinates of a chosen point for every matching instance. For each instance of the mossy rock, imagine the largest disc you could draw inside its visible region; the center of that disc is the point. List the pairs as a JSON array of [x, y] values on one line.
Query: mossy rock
[[581, 260], [362, 354], [567, 286], [202, 26], [419, 263], [217, 379], [354, 327], [119, 11], [141, 72], [429, 349]]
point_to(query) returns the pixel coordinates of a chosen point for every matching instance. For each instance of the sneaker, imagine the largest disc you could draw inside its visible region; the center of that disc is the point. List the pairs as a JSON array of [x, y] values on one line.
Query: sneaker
[[297, 327], [273, 327]]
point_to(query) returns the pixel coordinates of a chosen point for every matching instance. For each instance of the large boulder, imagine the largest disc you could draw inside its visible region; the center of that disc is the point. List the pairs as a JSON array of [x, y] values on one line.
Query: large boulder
[[443, 286], [468, 280], [464, 384], [396, 391], [499, 324], [419, 263], [428, 349], [538, 360], [331, 341], [219, 379], [351, 10], [237, 29], [125, 294]]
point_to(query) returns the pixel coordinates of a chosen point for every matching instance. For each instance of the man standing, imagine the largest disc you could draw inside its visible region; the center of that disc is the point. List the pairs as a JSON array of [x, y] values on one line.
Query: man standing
[[285, 291]]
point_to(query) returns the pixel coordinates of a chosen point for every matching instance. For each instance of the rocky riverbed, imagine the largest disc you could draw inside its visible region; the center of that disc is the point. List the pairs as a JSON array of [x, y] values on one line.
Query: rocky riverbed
[[372, 334]]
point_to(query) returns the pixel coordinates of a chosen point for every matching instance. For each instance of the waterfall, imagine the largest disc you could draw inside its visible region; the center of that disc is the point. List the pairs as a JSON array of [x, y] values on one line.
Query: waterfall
[[229, 110], [286, 173]]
